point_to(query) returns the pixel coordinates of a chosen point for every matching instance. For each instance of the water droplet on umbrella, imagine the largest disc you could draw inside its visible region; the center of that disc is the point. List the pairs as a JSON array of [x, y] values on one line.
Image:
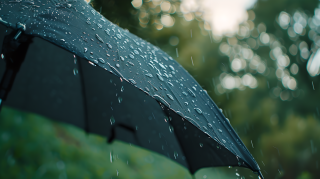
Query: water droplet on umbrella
[[185, 93], [112, 121], [160, 77], [136, 52], [85, 50], [170, 83], [224, 141], [209, 125], [219, 130], [119, 36], [198, 110], [191, 92], [119, 99], [101, 60], [107, 32], [169, 95], [121, 58], [205, 128], [147, 88], [159, 98], [220, 109], [109, 45], [194, 88], [201, 145], [117, 65], [149, 75], [186, 103], [132, 81], [122, 88], [162, 66], [131, 56], [99, 38]]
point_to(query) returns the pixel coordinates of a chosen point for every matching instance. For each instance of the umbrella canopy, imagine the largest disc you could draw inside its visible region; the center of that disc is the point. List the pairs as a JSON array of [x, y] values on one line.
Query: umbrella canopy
[[187, 126]]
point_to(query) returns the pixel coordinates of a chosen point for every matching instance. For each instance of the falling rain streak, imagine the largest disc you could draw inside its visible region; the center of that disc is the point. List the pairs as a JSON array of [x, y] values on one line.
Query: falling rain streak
[[177, 52]]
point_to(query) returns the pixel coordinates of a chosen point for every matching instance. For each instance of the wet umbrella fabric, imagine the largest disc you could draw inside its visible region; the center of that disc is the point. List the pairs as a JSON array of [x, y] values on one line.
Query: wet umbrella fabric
[[187, 127]]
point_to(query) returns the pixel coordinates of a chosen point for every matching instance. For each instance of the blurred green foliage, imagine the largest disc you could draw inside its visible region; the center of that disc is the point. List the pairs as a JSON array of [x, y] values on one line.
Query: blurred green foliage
[[281, 133]]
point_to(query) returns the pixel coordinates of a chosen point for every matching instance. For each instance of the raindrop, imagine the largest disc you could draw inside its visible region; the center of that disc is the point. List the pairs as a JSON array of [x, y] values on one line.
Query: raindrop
[[237, 174], [122, 89], [85, 50], [117, 65], [170, 83], [136, 52], [109, 45], [169, 95], [159, 98], [69, 5], [160, 77], [147, 88], [101, 60], [209, 125], [149, 75], [171, 67], [119, 99], [112, 121], [204, 127], [131, 56], [119, 36], [121, 58], [100, 39], [162, 66], [219, 130], [198, 110], [107, 32], [201, 145], [239, 163], [132, 81], [75, 71], [224, 141], [111, 158], [220, 109], [191, 92], [170, 128], [185, 93], [175, 154]]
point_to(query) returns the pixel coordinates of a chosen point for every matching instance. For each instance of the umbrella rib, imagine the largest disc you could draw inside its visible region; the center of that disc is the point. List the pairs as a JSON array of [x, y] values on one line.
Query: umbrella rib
[[85, 104]]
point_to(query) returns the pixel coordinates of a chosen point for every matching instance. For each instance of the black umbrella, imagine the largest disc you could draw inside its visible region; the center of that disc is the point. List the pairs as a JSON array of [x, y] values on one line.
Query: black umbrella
[[59, 83]]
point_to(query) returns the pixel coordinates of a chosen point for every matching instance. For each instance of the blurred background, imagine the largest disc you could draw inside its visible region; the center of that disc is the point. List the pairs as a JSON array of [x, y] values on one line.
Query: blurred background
[[259, 60]]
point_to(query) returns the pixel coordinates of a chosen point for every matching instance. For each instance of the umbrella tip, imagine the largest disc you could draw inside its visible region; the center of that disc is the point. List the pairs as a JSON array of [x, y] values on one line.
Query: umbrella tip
[[260, 175]]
